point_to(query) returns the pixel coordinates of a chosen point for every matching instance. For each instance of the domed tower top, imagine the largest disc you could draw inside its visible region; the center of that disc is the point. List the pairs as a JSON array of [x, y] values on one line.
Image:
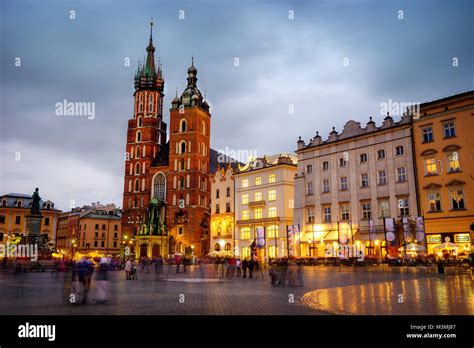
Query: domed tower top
[[191, 95]]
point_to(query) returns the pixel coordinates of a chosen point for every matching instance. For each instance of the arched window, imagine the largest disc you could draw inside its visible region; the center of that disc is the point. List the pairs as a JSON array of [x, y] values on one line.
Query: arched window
[[140, 103], [18, 204], [139, 137], [138, 152], [140, 122], [183, 147], [137, 168], [182, 126], [182, 183], [217, 247], [137, 186], [203, 127], [227, 247], [181, 164], [159, 186]]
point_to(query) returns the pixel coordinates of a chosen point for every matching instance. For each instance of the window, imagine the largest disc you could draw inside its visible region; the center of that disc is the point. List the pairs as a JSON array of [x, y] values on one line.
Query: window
[[115, 244], [102, 244], [227, 207], [46, 221], [96, 226], [342, 162], [363, 157], [137, 152], [245, 199], [245, 183], [327, 214], [364, 180], [4, 203], [137, 185], [449, 130], [430, 166], [137, 169], [257, 196], [309, 188], [403, 207], [17, 220], [384, 208], [258, 180], [182, 126], [217, 209], [399, 150], [453, 162], [2, 219], [258, 213], [138, 137], [343, 181], [103, 227], [325, 185], [245, 233], [380, 154], [427, 134], [217, 193], [401, 174], [272, 231], [366, 210], [434, 201], [115, 235], [310, 214], [115, 227], [345, 215], [457, 199], [325, 165], [18, 204], [272, 212], [139, 122], [159, 187], [150, 105], [244, 252], [96, 234], [309, 168], [245, 214], [382, 177], [272, 195], [228, 192], [183, 147], [271, 178], [95, 244]]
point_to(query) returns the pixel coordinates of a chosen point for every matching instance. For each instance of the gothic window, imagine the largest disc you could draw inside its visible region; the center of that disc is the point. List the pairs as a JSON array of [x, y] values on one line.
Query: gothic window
[[182, 183], [139, 122], [203, 127], [137, 168], [181, 164], [150, 103], [138, 152], [182, 126], [139, 137], [137, 185], [183, 147], [140, 103], [159, 187]]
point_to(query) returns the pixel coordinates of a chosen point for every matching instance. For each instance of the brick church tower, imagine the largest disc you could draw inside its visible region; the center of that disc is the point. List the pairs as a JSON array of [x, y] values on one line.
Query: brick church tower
[[188, 212], [146, 134]]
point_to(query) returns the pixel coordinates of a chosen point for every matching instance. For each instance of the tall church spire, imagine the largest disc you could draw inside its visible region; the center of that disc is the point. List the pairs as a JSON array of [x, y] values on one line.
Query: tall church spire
[[150, 59]]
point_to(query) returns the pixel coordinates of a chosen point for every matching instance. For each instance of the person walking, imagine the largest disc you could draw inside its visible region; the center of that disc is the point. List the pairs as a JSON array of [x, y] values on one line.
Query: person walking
[[128, 269], [244, 268], [237, 266], [251, 266]]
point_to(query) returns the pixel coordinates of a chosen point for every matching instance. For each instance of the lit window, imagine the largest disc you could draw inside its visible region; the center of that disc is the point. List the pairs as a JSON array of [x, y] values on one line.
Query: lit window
[[258, 196], [245, 183], [345, 215], [457, 199], [258, 213], [272, 212], [272, 195], [453, 162], [245, 214], [245, 233], [434, 201], [258, 180], [430, 166], [244, 252], [325, 186], [427, 134], [384, 208], [271, 178], [399, 150], [401, 174], [310, 214], [272, 231], [245, 199], [449, 130]]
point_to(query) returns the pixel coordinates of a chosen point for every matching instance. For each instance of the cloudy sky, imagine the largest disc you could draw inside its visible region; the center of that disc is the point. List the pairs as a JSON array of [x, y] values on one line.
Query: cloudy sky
[[329, 61]]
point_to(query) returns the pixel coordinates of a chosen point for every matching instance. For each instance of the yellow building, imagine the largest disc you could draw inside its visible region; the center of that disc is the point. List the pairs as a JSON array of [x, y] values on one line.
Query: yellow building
[[443, 136], [15, 207], [222, 211]]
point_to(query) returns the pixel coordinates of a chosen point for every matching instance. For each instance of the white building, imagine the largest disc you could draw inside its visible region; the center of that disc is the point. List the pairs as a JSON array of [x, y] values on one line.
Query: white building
[[264, 190], [359, 175]]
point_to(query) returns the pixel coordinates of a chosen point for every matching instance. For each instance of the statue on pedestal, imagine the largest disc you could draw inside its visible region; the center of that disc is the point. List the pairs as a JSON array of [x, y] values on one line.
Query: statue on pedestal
[[35, 206]]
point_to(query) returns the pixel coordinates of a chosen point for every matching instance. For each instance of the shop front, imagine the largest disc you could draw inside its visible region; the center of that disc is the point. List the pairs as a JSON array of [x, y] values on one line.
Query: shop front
[[449, 245]]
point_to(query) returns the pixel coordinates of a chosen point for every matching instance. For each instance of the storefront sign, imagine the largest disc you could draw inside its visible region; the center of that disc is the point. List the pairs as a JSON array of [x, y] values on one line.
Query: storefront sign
[[260, 237], [420, 229], [433, 238], [291, 240], [462, 238], [391, 238]]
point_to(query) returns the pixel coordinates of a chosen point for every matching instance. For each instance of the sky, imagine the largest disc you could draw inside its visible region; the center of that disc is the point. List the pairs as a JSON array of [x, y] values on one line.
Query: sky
[[272, 71]]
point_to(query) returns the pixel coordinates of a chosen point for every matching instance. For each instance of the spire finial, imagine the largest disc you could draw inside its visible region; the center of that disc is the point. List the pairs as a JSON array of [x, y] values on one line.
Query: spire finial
[[192, 60], [151, 29], [176, 92]]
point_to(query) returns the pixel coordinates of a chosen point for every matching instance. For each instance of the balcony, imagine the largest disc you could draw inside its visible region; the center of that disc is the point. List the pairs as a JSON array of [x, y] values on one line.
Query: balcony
[[258, 221], [260, 203]]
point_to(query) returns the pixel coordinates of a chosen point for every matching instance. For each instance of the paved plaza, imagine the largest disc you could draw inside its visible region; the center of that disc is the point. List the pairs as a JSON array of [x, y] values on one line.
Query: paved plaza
[[326, 290]]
